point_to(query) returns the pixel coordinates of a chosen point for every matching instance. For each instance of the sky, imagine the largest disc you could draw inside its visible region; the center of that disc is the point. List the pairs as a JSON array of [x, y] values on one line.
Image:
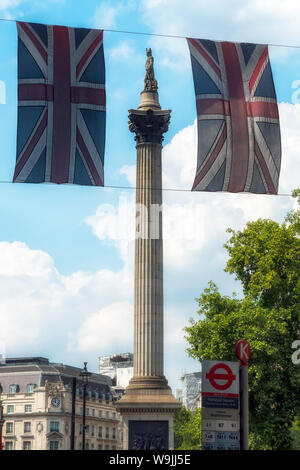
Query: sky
[[66, 252]]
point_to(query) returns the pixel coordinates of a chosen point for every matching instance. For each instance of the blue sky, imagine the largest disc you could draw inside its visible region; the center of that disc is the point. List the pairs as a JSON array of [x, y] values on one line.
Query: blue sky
[[66, 289]]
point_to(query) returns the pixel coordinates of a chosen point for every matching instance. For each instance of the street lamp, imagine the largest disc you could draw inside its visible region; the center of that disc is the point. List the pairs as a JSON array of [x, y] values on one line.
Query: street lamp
[[85, 378], [1, 423]]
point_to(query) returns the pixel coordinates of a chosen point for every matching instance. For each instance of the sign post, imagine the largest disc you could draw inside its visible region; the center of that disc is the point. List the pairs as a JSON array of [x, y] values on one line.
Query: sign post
[[220, 405], [243, 352], [1, 423]]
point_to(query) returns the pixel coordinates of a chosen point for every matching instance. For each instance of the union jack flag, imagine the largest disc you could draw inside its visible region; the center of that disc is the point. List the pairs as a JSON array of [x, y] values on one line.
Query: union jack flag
[[239, 145], [61, 105]]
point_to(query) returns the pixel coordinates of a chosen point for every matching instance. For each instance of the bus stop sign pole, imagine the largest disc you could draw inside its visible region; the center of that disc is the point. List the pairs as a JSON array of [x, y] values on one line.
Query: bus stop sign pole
[[243, 352]]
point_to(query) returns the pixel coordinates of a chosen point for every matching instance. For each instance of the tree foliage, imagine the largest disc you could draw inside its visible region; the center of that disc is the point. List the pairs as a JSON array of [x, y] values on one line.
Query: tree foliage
[[295, 431], [265, 257], [187, 429]]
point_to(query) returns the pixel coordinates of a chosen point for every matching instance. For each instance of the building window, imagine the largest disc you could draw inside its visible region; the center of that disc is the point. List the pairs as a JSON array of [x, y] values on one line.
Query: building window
[[93, 430], [107, 447], [113, 415], [87, 428], [100, 414], [10, 409], [26, 445], [87, 412], [113, 447], [99, 446], [28, 408], [54, 445], [92, 446], [54, 426], [9, 428], [107, 414], [113, 433], [81, 411], [30, 388], [93, 412], [9, 445], [100, 431], [107, 433], [12, 389], [27, 426]]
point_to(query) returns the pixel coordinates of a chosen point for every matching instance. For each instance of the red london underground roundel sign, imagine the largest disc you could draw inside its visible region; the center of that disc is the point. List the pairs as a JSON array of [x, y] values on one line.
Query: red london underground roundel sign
[[243, 351], [220, 376]]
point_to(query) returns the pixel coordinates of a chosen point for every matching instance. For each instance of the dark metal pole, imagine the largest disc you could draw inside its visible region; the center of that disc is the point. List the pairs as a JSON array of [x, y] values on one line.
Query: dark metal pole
[[85, 378], [243, 352], [72, 444], [244, 408], [1, 423], [83, 416]]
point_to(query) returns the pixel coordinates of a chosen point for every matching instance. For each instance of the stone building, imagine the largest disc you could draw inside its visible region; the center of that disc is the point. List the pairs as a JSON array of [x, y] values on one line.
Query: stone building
[[37, 401]]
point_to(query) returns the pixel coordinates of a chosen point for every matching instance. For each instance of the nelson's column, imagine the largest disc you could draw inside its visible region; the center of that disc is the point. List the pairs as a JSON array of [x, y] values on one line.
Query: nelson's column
[[148, 406]]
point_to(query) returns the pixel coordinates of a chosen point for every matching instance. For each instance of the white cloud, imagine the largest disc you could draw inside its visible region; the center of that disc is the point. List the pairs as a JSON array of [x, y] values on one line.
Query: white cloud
[[116, 224], [109, 11], [105, 16], [9, 4], [224, 20], [122, 52], [15, 259], [38, 305], [130, 172], [83, 315], [110, 325], [180, 158], [5, 4], [290, 165]]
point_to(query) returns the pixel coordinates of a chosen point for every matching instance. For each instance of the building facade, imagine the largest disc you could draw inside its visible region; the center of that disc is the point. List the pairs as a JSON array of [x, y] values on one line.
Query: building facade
[[190, 394], [37, 402], [119, 367]]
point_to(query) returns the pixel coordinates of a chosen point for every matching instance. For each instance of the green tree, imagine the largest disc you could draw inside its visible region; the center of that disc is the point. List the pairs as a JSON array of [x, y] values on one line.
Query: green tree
[[265, 257], [295, 431], [187, 429]]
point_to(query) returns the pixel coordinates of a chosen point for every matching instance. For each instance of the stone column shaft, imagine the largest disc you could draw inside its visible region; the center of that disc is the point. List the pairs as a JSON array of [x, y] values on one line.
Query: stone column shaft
[[148, 315]]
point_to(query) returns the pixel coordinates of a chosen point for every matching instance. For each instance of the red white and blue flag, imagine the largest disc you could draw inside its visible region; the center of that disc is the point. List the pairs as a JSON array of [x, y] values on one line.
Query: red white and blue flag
[[239, 144], [61, 105]]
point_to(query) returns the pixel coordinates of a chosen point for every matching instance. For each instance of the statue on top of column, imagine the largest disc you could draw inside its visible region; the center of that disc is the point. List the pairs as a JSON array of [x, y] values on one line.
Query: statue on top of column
[[149, 80]]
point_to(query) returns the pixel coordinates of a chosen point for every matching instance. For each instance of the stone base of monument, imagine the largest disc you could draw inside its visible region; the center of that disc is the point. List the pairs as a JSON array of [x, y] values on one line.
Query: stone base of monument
[[148, 409]]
